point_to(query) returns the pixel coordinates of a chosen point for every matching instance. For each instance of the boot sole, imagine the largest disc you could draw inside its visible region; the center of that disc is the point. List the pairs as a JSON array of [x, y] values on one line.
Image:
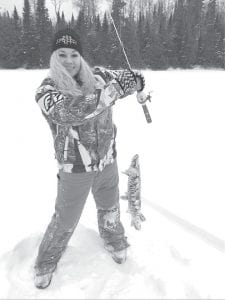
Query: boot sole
[[43, 287]]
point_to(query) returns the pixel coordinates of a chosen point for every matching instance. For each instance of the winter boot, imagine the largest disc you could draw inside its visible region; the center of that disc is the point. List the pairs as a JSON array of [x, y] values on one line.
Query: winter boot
[[119, 256], [42, 281]]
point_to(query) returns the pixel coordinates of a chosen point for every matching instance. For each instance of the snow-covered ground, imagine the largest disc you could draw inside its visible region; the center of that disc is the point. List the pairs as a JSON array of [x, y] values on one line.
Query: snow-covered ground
[[180, 251]]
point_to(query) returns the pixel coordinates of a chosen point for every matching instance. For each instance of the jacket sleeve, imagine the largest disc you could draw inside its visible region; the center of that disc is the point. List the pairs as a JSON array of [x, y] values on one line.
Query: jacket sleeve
[[63, 110], [127, 79]]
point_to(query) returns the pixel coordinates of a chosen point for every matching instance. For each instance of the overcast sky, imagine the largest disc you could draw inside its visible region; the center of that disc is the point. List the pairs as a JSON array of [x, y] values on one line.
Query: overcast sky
[[9, 5]]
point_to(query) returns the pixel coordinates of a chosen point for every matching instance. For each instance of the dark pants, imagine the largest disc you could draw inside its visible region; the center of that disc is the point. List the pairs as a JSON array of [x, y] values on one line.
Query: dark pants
[[73, 190]]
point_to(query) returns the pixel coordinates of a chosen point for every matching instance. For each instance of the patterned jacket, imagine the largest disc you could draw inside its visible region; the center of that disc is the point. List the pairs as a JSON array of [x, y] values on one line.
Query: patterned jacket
[[83, 132]]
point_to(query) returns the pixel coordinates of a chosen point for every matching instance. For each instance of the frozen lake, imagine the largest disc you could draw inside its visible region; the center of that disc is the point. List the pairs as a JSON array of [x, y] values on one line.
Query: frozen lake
[[182, 158]]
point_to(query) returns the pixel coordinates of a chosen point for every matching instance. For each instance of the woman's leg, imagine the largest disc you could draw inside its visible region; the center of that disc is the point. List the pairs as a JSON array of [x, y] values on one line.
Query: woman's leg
[[106, 194], [73, 190]]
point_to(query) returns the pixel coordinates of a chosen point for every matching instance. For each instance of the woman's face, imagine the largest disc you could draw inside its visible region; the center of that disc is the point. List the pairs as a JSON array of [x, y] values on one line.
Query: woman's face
[[70, 59]]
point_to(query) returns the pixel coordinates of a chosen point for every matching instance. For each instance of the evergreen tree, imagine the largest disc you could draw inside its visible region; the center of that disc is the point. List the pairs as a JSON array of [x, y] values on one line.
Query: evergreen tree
[[193, 9], [220, 46], [10, 40], [63, 21], [93, 40], [72, 22], [147, 45], [60, 21], [179, 33], [140, 38], [170, 52], [117, 56], [157, 32], [16, 19], [28, 37], [210, 35], [5, 41], [16, 58], [129, 38], [105, 43], [43, 34], [82, 28]]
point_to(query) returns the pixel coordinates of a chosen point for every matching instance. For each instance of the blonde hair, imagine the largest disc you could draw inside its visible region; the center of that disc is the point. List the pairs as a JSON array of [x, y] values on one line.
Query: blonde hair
[[84, 84]]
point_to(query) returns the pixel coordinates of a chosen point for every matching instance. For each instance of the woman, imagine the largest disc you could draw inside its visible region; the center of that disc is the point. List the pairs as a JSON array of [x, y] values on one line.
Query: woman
[[76, 102]]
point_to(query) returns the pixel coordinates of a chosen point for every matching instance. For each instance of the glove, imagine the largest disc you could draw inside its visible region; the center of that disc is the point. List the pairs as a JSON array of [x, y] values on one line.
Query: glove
[[127, 81]]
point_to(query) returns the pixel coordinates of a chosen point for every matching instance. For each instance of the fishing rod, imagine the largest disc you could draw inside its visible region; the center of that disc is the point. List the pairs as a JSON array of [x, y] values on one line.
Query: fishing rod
[[141, 97]]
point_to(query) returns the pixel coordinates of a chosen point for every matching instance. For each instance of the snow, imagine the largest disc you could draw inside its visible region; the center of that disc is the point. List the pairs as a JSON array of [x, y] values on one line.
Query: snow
[[179, 252]]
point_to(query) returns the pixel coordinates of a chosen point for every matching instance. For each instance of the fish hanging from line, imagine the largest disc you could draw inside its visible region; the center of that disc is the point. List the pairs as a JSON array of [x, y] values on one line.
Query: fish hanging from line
[[133, 194]]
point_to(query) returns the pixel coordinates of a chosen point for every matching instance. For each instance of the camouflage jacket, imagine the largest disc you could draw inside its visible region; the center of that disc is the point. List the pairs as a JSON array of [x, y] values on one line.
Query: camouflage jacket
[[83, 130]]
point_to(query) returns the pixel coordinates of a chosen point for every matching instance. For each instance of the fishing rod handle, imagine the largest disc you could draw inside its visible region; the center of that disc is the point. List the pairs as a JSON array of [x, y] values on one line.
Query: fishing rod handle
[[147, 114]]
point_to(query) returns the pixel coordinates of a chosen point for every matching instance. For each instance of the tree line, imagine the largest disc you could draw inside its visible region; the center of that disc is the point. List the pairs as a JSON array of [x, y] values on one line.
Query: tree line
[[155, 35]]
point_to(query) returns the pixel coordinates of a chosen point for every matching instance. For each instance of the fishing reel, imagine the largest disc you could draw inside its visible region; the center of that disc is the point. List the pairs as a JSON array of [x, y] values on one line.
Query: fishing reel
[[142, 98]]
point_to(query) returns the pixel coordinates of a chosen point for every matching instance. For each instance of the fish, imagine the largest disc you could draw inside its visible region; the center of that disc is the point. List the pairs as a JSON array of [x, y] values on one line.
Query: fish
[[133, 194]]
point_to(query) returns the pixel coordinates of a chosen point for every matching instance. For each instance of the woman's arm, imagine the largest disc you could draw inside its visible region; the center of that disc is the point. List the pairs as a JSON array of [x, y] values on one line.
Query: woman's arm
[[129, 81], [64, 110]]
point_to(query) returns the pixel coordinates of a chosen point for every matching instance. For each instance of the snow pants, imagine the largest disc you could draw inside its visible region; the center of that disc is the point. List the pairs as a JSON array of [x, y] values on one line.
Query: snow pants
[[73, 190]]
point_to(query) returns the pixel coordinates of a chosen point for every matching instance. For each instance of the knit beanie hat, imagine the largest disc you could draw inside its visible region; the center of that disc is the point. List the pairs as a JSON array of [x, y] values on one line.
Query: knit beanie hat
[[66, 38]]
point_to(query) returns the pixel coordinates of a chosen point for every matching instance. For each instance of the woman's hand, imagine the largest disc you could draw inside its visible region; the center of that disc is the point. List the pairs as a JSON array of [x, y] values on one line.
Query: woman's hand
[[100, 82]]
